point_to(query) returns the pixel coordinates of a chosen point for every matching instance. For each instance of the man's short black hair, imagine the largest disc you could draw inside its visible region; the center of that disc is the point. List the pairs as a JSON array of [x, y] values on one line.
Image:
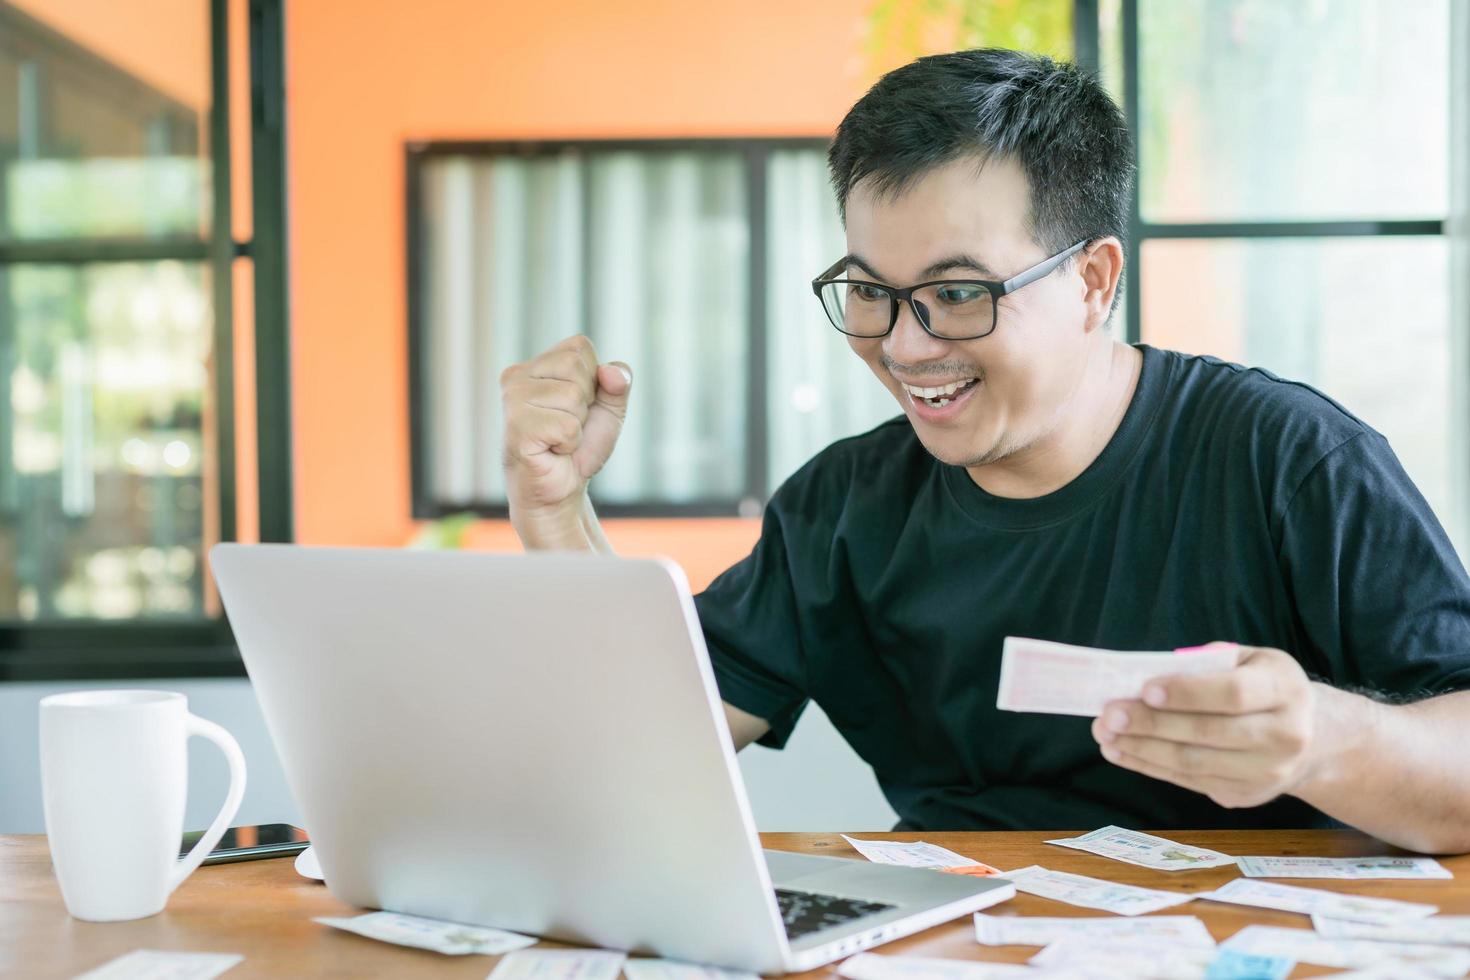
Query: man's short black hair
[[1052, 118]]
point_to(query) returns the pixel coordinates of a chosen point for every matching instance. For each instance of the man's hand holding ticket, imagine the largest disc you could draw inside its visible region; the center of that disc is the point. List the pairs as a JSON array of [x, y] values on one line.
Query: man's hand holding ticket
[[1241, 725]]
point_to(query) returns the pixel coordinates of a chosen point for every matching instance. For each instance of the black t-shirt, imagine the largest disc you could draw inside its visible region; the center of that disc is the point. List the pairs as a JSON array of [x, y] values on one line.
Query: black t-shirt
[[1229, 505]]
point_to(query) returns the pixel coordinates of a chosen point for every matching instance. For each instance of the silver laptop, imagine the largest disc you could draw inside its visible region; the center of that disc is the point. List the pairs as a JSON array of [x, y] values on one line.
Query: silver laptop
[[536, 743]]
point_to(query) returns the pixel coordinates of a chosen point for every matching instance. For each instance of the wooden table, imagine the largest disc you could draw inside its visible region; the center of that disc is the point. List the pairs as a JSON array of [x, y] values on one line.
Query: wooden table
[[263, 910]]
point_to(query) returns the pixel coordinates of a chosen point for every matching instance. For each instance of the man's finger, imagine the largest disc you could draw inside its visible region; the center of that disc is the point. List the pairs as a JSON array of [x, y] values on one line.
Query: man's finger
[[1199, 760], [545, 430], [565, 365], [1210, 785], [1253, 686], [1220, 731], [555, 394]]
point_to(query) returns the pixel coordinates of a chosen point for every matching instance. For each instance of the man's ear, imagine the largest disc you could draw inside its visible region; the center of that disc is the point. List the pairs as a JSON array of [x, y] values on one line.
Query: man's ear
[[1100, 265]]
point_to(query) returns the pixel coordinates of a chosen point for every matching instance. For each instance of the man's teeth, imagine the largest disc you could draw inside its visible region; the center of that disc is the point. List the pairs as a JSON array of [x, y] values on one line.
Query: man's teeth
[[940, 396]]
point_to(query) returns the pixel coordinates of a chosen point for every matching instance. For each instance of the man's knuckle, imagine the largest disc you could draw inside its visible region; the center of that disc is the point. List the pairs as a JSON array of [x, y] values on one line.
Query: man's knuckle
[[1277, 773], [1226, 798], [1238, 694], [1292, 738], [1259, 797]]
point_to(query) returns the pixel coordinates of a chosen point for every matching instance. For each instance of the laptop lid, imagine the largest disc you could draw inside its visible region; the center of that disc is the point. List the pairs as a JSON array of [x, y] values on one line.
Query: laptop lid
[[531, 742]]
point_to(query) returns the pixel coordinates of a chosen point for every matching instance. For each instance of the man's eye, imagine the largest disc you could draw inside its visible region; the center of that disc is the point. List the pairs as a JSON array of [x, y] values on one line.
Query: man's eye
[[868, 294], [955, 295]]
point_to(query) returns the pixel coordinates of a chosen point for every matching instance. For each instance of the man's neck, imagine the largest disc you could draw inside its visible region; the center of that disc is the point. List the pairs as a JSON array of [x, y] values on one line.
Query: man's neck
[[1088, 423]]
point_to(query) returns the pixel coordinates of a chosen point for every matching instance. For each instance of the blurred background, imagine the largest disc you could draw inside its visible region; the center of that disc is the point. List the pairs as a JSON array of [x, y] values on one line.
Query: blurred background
[[262, 262]]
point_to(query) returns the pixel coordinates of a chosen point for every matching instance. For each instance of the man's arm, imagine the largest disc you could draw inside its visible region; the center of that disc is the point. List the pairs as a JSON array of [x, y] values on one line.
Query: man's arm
[[563, 414], [1246, 736], [1404, 779], [744, 726]]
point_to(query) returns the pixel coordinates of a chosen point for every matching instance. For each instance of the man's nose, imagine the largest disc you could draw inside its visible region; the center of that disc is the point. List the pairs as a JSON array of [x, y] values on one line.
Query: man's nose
[[908, 343]]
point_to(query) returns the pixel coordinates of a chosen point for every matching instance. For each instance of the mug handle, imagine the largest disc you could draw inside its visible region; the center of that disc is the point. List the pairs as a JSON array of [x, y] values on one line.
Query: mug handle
[[194, 725]]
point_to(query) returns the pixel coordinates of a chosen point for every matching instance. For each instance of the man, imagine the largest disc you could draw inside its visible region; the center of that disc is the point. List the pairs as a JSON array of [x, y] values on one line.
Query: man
[[1049, 481]]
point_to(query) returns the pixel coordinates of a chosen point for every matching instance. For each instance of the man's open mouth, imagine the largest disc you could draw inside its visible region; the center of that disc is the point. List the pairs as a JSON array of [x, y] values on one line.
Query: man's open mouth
[[938, 397]]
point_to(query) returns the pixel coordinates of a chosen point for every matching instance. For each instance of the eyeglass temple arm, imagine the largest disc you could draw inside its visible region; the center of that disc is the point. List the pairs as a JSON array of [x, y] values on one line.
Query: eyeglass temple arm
[[1041, 269], [831, 271]]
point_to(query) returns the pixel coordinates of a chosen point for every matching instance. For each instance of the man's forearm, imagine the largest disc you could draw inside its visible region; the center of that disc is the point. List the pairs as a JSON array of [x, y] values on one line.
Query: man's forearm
[[1395, 771]]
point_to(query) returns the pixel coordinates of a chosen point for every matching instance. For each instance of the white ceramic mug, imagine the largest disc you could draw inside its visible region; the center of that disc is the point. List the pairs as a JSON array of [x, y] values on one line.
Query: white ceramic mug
[[114, 775]]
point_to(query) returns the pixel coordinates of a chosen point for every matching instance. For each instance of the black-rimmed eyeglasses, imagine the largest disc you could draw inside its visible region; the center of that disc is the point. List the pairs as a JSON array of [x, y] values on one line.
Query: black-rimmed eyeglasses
[[949, 309]]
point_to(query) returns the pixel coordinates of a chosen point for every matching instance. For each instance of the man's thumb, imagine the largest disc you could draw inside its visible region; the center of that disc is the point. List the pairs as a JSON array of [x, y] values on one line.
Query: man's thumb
[[614, 383]]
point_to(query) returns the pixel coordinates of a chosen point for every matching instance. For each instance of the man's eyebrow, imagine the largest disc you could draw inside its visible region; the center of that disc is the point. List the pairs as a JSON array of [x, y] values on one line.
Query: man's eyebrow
[[958, 261], [862, 264]]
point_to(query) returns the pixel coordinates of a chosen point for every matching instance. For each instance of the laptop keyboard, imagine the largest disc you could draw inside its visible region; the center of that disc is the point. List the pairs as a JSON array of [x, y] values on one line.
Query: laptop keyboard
[[806, 912]]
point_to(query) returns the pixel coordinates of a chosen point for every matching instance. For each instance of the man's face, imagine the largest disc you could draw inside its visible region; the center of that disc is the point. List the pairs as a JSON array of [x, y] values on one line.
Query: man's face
[[1025, 372]]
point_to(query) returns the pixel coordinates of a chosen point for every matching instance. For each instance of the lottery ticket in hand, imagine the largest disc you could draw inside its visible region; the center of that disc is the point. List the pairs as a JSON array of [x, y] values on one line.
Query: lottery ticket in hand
[[1055, 678]]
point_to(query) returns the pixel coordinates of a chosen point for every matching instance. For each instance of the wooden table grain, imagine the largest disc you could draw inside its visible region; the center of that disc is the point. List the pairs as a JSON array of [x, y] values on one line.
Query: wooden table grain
[[264, 911]]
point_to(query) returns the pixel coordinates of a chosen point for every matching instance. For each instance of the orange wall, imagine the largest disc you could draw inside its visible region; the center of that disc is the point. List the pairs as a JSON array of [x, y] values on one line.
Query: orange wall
[[366, 77]]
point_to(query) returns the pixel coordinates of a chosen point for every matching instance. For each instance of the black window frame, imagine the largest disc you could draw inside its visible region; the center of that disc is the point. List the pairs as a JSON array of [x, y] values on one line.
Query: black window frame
[[755, 154], [140, 649]]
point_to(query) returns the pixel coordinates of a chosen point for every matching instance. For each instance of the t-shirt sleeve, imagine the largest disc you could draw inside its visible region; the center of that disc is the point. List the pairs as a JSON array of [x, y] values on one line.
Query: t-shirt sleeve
[[1381, 595], [750, 626]]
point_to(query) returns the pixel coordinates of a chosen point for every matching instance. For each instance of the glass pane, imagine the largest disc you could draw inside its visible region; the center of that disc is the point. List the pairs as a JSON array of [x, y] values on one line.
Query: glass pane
[[103, 131], [818, 390], [1315, 311], [103, 449], [1263, 110], [645, 252]]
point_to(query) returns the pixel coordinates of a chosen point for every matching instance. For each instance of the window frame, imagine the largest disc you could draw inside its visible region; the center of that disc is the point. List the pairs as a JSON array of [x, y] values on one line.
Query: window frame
[[1141, 231], [91, 649]]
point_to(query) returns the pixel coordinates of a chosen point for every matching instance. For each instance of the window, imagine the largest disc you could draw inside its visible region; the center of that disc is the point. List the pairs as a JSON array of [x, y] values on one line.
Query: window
[[689, 260], [117, 272], [1293, 191]]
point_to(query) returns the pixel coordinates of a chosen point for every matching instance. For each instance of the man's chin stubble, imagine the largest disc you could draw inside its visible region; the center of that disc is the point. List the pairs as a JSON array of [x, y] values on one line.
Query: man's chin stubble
[[995, 454]]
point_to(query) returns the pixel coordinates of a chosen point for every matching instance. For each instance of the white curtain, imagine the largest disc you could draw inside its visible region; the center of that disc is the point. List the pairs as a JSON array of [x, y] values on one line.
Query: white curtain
[[818, 390], [644, 252]]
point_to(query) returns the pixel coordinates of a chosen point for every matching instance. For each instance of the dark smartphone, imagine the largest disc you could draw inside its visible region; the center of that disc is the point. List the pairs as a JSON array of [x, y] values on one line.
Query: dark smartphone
[[266, 840]]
